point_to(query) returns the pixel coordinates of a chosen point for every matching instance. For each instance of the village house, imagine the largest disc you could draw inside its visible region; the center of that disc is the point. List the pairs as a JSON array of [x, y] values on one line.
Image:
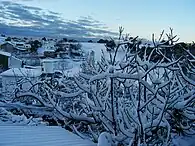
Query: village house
[[8, 47], [15, 47], [30, 59], [22, 46], [50, 65]]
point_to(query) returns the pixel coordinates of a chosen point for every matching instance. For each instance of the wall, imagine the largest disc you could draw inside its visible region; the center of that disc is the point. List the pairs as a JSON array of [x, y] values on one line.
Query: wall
[[14, 62]]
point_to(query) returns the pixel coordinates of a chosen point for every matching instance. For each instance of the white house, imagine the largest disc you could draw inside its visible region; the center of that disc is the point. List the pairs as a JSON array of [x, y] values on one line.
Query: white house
[[22, 78], [51, 65]]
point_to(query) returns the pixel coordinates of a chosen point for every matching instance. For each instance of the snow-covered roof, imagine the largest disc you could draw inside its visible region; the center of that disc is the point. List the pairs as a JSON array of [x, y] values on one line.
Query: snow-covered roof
[[5, 53], [22, 72], [40, 136], [7, 42]]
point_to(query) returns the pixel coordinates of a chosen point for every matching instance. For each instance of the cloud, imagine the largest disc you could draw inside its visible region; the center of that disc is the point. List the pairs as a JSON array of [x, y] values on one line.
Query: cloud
[[18, 19]]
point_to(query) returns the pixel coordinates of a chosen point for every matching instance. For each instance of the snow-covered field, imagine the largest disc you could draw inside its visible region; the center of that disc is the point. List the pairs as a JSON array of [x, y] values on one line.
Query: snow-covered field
[[87, 47], [96, 47]]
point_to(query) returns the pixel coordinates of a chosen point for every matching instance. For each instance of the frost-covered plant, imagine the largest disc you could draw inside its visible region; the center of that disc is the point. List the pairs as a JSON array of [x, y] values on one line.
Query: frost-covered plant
[[8, 118], [134, 97], [128, 93]]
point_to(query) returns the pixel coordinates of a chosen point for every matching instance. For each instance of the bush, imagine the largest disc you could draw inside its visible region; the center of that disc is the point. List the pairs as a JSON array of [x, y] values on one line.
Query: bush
[[35, 45], [131, 98], [44, 39], [75, 49], [8, 39], [65, 39]]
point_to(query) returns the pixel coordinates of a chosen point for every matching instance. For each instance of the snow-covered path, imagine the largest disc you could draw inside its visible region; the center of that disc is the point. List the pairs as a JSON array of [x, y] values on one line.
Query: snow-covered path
[[39, 136]]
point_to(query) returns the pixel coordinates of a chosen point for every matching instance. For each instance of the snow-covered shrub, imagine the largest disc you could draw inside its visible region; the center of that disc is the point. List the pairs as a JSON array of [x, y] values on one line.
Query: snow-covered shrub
[[135, 97], [128, 94], [8, 118]]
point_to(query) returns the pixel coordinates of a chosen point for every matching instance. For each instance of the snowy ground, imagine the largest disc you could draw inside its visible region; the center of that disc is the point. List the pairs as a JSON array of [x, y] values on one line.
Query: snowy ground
[[96, 47], [39, 136], [88, 47]]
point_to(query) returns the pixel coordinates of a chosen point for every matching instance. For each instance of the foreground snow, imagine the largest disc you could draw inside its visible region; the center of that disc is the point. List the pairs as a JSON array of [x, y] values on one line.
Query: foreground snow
[[39, 136], [56, 136]]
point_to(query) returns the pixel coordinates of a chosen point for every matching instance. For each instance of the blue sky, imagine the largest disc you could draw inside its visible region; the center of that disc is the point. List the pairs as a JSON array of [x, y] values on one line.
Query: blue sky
[[138, 17]]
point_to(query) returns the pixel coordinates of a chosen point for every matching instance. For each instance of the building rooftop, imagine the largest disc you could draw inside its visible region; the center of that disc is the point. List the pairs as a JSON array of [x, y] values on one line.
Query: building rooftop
[[40, 136]]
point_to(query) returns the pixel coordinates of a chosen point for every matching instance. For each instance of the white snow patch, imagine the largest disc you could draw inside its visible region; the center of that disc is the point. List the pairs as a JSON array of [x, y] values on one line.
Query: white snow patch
[[104, 139], [39, 136]]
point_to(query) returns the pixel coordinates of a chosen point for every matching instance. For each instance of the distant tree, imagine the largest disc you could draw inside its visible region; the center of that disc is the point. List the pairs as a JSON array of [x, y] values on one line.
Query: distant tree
[[2, 35], [8, 39], [72, 40], [102, 41], [90, 41], [75, 49], [35, 45], [65, 39], [44, 39], [25, 38]]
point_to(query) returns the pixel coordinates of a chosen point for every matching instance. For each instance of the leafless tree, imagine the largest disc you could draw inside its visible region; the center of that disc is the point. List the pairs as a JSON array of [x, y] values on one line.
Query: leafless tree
[[134, 98]]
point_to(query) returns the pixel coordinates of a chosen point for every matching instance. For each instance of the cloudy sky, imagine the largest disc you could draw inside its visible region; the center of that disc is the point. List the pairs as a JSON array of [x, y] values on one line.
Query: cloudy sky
[[97, 18]]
